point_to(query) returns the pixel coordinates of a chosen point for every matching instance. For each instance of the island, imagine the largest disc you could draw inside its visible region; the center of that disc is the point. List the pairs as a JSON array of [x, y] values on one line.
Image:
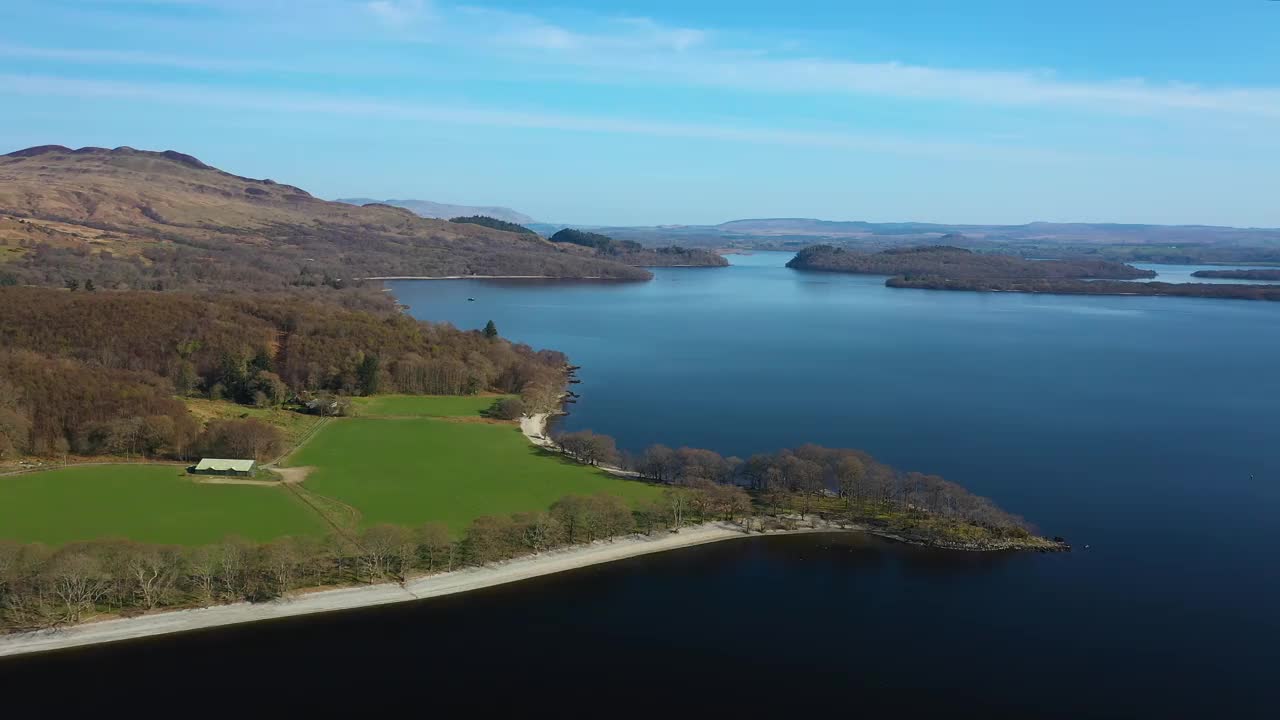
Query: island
[[1251, 274], [954, 263], [1066, 286], [952, 268]]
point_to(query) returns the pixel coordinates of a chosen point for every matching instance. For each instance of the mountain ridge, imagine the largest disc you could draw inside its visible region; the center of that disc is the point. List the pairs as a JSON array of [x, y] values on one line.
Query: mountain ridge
[[445, 211], [163, 219]]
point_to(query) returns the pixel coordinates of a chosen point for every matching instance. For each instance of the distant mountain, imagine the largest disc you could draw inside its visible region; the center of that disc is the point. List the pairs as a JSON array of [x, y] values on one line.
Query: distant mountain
[[445, 211], [1112, 241], [128, 218]]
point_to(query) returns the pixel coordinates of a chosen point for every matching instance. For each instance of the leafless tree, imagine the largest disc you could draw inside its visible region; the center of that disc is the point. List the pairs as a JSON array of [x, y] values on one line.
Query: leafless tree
[[77, 580], [153, 572]]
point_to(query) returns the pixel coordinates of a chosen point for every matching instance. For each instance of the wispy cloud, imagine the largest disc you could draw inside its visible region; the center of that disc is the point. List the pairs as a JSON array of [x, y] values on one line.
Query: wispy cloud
[[503, 28], [399, 13], [643, 51], [90, 56], [170, 95]]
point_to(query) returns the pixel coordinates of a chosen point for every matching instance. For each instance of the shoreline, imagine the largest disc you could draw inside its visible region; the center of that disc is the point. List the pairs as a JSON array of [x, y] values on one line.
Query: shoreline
[[362, 596], [481, 277], [167, 622]]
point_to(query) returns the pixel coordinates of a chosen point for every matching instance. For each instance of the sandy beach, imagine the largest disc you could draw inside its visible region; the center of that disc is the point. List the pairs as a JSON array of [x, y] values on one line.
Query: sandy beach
[[429, 586]]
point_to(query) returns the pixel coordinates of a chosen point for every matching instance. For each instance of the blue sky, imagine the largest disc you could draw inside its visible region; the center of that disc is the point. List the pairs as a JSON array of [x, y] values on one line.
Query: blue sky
[[682, 112]]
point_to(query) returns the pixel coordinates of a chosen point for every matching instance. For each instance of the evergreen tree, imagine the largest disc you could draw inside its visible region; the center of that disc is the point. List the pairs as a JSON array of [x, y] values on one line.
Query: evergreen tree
[[368, 374], [88, 285], [262, 361], [491, 330]]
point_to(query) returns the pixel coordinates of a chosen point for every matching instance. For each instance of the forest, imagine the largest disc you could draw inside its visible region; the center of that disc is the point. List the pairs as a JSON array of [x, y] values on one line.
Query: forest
[[633, 253], [941, 261], [494, 223], [98, 372]]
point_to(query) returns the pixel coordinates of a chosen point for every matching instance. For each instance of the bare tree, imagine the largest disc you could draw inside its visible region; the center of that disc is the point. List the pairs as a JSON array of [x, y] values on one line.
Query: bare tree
[[279, 562], [435, 546], [379, 547], [77, 580], [153, 572], [677, 502], [202, 569], [849, 472]]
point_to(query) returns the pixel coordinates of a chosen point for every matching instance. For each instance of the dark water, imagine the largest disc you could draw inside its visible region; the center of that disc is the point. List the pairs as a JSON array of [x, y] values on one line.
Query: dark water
[[792, 624], [1144, 427]]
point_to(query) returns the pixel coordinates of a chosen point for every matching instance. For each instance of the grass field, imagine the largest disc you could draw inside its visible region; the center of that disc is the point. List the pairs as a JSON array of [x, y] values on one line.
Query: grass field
[[424, 405], [411, 466], [411, 471], [147, 503]]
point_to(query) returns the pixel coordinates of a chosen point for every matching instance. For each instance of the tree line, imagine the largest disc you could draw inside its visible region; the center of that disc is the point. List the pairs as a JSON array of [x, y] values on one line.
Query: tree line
[[43, 586], [493, 223], [633, 253], [95, 373], [801, 476]]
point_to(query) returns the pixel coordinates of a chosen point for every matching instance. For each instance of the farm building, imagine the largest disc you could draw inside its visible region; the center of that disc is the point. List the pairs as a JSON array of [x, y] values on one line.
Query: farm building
[[219, 466]]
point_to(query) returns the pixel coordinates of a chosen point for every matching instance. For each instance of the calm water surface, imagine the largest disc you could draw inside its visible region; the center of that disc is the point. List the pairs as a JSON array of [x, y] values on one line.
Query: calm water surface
[[1143, 427], [1183, 274]]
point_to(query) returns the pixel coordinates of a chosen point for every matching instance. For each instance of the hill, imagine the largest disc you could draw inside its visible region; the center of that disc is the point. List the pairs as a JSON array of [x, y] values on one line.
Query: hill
[[633, 253], [127, 218], [445, 211]]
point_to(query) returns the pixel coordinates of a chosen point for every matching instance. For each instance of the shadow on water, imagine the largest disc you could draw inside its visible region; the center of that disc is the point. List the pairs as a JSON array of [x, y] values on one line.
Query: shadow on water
[[831, 621]]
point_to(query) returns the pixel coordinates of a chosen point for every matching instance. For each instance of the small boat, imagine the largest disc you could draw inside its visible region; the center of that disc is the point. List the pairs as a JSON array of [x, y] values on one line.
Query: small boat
[[471, 299]]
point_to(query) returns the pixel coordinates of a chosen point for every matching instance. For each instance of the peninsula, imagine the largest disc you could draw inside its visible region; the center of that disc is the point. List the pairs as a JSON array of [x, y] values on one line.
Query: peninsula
[[155, 311]]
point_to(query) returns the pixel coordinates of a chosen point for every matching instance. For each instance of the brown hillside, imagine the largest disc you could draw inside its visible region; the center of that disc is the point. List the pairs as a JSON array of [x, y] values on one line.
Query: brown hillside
[[134, 218]]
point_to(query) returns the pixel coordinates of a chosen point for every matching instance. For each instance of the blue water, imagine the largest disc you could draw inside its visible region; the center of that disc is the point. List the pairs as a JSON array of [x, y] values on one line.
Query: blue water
[[1183, 274], [1143, 427]]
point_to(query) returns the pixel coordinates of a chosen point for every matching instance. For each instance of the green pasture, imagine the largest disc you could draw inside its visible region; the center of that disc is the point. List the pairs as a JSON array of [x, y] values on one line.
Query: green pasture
[[147, 503], [412, 471]]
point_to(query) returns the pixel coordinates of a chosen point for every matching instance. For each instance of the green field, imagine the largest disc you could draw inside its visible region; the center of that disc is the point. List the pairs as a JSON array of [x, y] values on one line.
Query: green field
[[418, 463], [411, 471], [424, 405], [147, 503]]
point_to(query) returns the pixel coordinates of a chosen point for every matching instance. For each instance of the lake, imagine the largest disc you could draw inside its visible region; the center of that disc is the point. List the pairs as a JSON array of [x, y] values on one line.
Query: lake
[[1142, 427], [1183, 274]]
